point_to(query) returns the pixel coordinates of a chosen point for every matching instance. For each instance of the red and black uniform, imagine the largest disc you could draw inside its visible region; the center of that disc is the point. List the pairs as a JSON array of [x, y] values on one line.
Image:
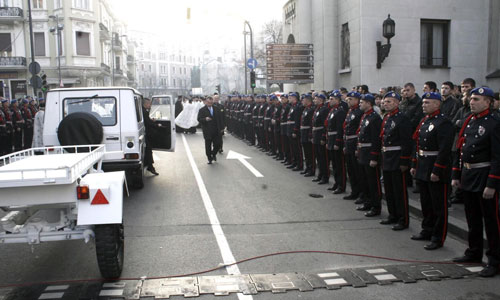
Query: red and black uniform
[[396, 151], [255, 124], [478, 168], [262, 134], [285, 142], [306, 139], [267, 127], [18, 125], [319, 142], [434, 138], [335, 133], [248, 120], [368, 150], [28, 126], [294, 117], [276, 120], [351, 125], [6, 131]]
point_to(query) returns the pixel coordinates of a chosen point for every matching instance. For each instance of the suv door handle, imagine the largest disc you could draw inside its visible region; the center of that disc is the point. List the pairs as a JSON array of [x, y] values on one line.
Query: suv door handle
[[112, 138]]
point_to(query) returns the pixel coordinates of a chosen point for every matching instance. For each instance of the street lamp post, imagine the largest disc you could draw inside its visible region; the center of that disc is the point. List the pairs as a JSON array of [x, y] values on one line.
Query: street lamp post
[[251, 50], [57, 30], [245, 61]]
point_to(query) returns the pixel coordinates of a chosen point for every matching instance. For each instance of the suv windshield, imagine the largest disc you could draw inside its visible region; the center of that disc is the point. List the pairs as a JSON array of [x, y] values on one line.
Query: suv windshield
[[103, 108]]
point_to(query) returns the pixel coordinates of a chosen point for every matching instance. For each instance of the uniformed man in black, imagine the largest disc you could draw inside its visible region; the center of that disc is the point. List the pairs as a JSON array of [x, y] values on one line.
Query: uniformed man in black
[[319, 138], [285, 143], [248, 120], [276, 128], [351, 125], [335, 134], [477, 172], [6, 146], [28, 124], [396, 151], [306, 135], [18, 125], [368, 153], [293, 133], [262, 113], [267, 124], [431, 169], [255, 122], [3, 133]]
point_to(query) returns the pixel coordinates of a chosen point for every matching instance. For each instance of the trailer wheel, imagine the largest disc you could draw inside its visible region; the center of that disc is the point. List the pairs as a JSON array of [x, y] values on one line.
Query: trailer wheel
[[109, 244]]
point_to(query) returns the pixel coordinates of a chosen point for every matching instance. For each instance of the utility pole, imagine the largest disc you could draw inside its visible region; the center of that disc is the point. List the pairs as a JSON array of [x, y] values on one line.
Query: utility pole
[[251, 48], [31, 45], [245, 61], [57, 29], [112, 60]]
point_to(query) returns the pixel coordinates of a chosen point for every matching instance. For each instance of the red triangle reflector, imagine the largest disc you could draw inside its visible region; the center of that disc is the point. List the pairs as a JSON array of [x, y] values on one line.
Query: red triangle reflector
[[99, 198]]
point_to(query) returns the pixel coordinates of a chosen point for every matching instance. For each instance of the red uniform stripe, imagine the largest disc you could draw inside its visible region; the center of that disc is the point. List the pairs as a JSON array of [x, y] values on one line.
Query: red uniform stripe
[[405, 198], [494, 176], [440, 166], [445, 207]]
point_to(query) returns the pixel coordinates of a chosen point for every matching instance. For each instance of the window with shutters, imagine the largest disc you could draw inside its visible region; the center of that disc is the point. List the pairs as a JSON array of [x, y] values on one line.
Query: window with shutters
[[39, 43]]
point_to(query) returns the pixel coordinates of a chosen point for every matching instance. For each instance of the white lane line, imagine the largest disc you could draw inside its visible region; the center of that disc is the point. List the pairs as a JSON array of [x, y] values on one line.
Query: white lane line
[[227, 255]]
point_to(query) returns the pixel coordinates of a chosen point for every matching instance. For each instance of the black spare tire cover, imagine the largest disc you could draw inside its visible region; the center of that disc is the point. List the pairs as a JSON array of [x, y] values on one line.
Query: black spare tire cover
[[80, 128]]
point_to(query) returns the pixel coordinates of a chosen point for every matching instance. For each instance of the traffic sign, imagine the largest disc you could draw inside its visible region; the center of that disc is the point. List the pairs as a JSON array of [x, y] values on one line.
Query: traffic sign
[[36, 80], [252, 63], [290, 63], [34, 68]]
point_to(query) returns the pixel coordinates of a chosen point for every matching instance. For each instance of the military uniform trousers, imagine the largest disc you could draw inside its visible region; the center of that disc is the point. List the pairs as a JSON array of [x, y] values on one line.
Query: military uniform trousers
[[434, 201], [396, 195], [373, 191], [322, 162], [309, 157], [339, 172], [296, 149], [478, 209], [354, 172]]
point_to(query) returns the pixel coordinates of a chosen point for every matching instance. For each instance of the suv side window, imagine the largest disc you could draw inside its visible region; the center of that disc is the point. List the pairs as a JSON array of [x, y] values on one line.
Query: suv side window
[[138, 107], [103, 108]]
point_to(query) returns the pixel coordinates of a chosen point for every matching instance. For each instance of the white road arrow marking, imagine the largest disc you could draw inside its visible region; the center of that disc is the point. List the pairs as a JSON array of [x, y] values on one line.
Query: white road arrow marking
[[242, 158]]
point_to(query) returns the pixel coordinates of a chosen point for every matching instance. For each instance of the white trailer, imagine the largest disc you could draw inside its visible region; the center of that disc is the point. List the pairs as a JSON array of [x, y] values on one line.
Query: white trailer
[[60, 193]]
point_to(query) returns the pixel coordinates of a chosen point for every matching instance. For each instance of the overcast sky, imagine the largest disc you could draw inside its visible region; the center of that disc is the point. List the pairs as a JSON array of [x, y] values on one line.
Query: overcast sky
[[212, 19]]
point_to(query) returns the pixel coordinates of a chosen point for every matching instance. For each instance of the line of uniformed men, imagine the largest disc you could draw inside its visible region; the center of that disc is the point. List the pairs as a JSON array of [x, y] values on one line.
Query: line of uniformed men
[[16, 124], [309, 134]]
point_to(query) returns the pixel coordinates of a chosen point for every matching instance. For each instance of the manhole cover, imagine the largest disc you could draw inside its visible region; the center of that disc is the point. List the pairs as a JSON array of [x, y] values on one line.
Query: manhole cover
[[316, 196]]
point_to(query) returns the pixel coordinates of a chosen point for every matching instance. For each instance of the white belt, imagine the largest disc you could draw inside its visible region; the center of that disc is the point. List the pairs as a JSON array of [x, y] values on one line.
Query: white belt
[[391, 148], [317, 128], [267, 118], [476, 165], [290, 122], [428, 153], [332, 133], [305, 127], [350, 137], [260, 117], [364, 145], [248, 114]]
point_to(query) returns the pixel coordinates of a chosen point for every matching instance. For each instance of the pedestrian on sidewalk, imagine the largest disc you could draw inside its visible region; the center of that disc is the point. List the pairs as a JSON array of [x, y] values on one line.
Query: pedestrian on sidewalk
[[212, 125]]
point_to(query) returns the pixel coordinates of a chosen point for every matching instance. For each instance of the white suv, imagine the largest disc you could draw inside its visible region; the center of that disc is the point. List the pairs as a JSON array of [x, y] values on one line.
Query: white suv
[[110, 116]]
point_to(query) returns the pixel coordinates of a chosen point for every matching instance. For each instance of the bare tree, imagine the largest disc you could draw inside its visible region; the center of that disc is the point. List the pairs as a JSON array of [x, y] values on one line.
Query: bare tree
[[272, 32]]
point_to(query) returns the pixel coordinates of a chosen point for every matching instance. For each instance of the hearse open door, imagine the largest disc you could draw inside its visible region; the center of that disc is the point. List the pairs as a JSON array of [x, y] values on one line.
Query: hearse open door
[[163, 113]]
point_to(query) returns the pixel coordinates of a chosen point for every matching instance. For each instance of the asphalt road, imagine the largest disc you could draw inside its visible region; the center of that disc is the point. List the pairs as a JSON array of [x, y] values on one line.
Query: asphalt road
[[168, 231]]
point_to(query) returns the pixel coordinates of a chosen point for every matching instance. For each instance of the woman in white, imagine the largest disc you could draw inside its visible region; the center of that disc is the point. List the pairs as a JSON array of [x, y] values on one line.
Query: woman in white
[[188, 117], [38, 126]]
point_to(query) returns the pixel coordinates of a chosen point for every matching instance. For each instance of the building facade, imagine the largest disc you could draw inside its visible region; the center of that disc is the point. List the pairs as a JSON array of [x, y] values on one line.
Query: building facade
[[434, 40], [76, 43]]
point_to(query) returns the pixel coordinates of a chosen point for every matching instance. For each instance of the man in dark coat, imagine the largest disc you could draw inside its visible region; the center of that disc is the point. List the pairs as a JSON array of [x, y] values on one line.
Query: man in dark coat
[[178, 108], [210, 118], [149, 124]]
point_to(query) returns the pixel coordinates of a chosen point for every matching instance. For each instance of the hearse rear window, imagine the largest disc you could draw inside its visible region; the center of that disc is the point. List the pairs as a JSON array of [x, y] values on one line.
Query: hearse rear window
[[103, 108]]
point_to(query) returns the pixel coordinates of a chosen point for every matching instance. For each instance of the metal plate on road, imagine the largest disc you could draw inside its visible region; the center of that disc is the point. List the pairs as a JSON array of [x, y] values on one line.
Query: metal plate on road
[[247, 284]]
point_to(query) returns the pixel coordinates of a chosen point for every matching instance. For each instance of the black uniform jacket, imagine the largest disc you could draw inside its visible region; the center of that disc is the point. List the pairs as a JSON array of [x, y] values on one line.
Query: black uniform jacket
[[262, 113], [306, 124], [213, 127], [369, 137], [295, 116], [351, 125], [396, 132], [434, 139], [277, 118], [318, 123], [255, 114], [284, 119], [335, 130], [480, 143], [267, 116]]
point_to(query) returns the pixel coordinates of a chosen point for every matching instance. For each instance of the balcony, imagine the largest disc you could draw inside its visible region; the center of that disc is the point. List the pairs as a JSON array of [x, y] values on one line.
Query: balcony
[[10, 14], [117, 42], [119, 72], [130, 59], [13, 63], [105, 68], [103, 32]]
